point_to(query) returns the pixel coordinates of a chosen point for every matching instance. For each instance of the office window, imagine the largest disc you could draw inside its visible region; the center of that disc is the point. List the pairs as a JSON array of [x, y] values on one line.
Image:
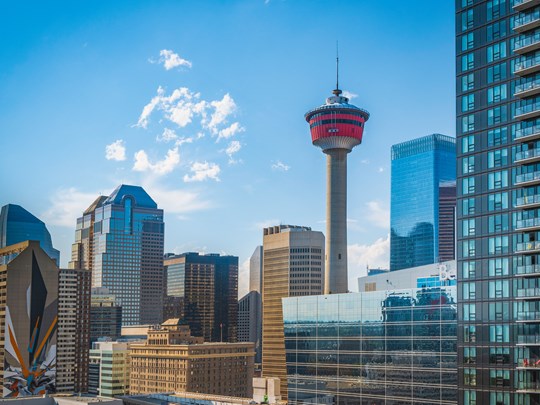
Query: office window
[[498, 245], [467, 18], [496, 115], [497, 136], [496, 94], [468, 164], [496, 52], [467, 143], [467, 62], [498, 180], [468, 185], [467, 82], [467, 102], [467, 41], [468, 206], [496, 30], [496, 73], [498, 201], [497, 158], [468, 227]]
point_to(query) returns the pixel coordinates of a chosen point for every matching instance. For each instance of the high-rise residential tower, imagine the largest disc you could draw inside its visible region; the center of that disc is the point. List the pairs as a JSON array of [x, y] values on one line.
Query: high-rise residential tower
[[120, 238], [498, 133], [293, 266], [336, 127], [206, 287], [422, 201], [18, 225]]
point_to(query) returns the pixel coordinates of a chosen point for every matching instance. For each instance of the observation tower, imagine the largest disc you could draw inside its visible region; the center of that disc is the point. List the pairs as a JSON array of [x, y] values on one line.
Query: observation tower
[[336, 127]]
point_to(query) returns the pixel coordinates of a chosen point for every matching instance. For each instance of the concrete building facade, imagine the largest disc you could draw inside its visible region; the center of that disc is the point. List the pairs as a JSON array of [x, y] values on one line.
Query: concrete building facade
[[293, 265], [255, 270], [109, 369], [250, 321]]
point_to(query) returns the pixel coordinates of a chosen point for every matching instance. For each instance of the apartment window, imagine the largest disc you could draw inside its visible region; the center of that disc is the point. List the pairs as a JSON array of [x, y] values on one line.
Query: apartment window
[[469, 333], [467, 20], [469, 269], [498, 245], [469, 312], [499, 378], [499, 289], [496, 94], [468, 227], [498, 267], [467, 143], [468, 291], [465, 3], [498, 223], [467, 82], [499, 333], [469, 397], [468, 164], [467, 62], [497, 115], [499, 311], [497, 136], [467, 102], [499, 398], [496, 73], [469, 376], [498, 201], [497, 158], [496, 30], [468, 206], [469, 355], [498, 180], [496, 52], [469, 248], [467, 41], [495, 9], [468, 185]]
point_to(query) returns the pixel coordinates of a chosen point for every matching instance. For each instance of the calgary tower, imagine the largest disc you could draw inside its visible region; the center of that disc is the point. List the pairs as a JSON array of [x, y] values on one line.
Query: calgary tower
[[336, 127]]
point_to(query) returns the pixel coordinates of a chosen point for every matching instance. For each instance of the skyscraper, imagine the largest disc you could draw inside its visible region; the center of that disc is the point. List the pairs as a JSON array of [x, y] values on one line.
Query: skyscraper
[[120, 238], [293, 266], [206, 287], [422, 201], [336, 127], [255, 270], [106, 315], [18, 225], [498, 65], [250, 321]]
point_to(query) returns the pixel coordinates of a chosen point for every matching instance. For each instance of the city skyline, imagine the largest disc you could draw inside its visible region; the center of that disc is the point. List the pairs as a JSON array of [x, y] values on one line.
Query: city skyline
[[89, 77]]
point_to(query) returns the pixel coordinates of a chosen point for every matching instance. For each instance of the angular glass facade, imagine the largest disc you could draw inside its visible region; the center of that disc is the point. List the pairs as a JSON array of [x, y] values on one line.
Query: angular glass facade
[[421, 171], [381, 347], [18, 225]]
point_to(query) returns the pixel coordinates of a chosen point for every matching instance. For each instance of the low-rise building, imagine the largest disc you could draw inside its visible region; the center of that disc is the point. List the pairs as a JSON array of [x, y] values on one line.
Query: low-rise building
[[171, 360], [109, 369]]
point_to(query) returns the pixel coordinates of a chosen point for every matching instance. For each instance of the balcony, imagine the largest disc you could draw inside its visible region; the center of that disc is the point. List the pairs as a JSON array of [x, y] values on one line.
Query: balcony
[[527, 43], [528, 293], [520, 5], [528, 133], [527, 22], [528, 270], [527, 89], [528, 387], [527, 178], [528, 201], [527, 156], [528, 364], [527, 66], [528, 340], [527, 111], [528, 316]]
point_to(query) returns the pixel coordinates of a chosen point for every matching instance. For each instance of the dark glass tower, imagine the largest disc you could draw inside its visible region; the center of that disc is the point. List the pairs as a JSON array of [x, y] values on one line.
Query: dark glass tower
[[498, 131], [422, 203]]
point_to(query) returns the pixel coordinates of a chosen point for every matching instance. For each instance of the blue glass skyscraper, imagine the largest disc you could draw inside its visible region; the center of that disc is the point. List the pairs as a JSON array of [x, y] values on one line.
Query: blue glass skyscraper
[[422, 201], [120, 238], [18, 225]]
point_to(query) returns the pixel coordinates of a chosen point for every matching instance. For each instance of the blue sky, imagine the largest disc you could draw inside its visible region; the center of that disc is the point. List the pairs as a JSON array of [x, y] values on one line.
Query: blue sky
[[202, 104]]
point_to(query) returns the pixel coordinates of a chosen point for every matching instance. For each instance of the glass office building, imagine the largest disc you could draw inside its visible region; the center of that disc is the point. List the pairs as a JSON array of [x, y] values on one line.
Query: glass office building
[[18, 225], [498, 133], [120, 238], [372, 348], [422, 201]]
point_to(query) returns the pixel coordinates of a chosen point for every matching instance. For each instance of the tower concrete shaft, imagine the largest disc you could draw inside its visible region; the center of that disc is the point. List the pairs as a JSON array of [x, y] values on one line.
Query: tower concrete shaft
[[335, 277]]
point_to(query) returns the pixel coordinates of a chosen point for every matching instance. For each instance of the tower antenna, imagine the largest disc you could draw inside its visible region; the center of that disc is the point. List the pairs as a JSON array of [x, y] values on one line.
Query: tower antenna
[[337, 91]]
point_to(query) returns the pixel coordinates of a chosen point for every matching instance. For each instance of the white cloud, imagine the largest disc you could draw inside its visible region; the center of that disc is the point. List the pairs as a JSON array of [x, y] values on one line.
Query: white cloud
[[349, 95], [116, 151], [176, 201], [374, 255], [243, 278], [381, 169], [203, 171], [378, 214], [68, 204], [234, 147], [167, 135], [280, 166], [149, 108], [167, 165], [222, 109], [181, 141], [231, 130], [171, 60]]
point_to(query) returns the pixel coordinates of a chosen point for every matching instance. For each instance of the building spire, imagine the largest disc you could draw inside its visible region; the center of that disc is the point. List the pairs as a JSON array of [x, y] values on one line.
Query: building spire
[[337, 91]]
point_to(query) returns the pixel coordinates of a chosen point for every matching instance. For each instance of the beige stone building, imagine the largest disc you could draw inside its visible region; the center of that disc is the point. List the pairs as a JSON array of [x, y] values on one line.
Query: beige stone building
[[293, 266], [172, 360]]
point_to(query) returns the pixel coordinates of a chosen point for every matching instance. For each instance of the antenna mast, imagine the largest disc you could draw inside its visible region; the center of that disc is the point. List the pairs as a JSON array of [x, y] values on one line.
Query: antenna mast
[[337, 91]]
